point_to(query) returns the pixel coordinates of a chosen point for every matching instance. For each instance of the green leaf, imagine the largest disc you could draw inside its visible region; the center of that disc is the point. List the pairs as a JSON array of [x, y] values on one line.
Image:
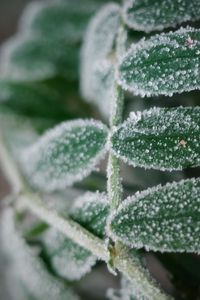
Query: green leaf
[[68, 259], [163, 219], [32, 100], [148, 15], [162, 65], [61, 20], [160, 138], [91, 211], [26, 272], [97, 58], [31, 58], [65, 154]]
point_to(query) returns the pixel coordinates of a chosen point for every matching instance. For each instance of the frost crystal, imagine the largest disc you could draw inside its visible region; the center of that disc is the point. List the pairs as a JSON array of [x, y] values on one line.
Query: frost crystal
[[97, 59], [65, 154], [161, 218], [160, 138], [91, 211], [67, 258], [162, 65], [148, 15], [26, 271]]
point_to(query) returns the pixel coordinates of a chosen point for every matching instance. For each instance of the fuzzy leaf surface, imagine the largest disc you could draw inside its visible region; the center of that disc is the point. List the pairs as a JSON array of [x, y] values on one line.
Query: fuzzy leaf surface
[[28, 278], [31, 58], [162, 65], [65, 154], [160, 138], [148, 15], [91, 211], [97, 69], [163, 219]]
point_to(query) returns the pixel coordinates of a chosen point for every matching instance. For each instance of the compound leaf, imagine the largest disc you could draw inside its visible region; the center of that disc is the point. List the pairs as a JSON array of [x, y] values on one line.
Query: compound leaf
[[160, 138], [148, 15], [161, 218], [65, 154], [162, 65]]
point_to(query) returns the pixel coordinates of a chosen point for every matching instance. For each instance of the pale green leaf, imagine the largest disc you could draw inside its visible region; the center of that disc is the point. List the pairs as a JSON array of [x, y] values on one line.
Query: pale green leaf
[[97, 58], [26, 272], [162, 65], [148, 15], [65, 154], [163, 219], [160, 138]]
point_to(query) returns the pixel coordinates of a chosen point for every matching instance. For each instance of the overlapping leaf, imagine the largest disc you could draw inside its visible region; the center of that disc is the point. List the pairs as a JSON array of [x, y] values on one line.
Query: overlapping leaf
[[28, 278], [65, 154], [97, 71], [163, 65], [160, 138], [161, 218], [148, 15]]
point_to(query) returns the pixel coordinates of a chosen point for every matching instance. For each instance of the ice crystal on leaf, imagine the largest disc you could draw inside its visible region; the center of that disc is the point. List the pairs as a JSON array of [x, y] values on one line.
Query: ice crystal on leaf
[[97, 58], [165, 64], [160, 138], [148, 15], [163, 218], [25, 270], [68, 259], [65, 154], [91, 211]]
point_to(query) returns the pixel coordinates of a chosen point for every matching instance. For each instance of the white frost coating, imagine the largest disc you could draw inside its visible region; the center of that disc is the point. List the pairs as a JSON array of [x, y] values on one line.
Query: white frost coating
[[62, 156], [157, 15], [162, 218], [28, 270], [159, 138], [97, 59], [69, 259], [88, 207], [150, 67]]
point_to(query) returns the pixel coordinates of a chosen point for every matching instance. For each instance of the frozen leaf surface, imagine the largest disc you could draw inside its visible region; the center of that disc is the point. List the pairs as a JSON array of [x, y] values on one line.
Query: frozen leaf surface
[[65, 154], [148, 15], [91, 211], [67, 258], [126, 292], [161, 218], [26, 270], [32, 58], [160, 138], [31, 100], [97, 59], [162, 65]]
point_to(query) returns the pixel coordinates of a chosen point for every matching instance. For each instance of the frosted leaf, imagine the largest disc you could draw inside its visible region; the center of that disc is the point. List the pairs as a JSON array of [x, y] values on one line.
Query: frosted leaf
[[65, 154], [160, 138], [97, 58], [91, 211], [148, 15], [163, 218], [31, 100], [58, 19], [68, 259], [26, 57], [162, 65], [25, 269]]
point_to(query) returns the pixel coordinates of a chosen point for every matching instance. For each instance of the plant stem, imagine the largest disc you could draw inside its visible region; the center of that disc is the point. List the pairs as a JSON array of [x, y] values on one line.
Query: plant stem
[[67, 226]]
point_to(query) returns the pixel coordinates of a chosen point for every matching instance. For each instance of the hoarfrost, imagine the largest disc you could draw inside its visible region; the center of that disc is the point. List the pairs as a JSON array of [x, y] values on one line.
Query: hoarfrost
[[65, 154], [160, 138], [162, 219], [25, 269], [97, 59], [162, 65]]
